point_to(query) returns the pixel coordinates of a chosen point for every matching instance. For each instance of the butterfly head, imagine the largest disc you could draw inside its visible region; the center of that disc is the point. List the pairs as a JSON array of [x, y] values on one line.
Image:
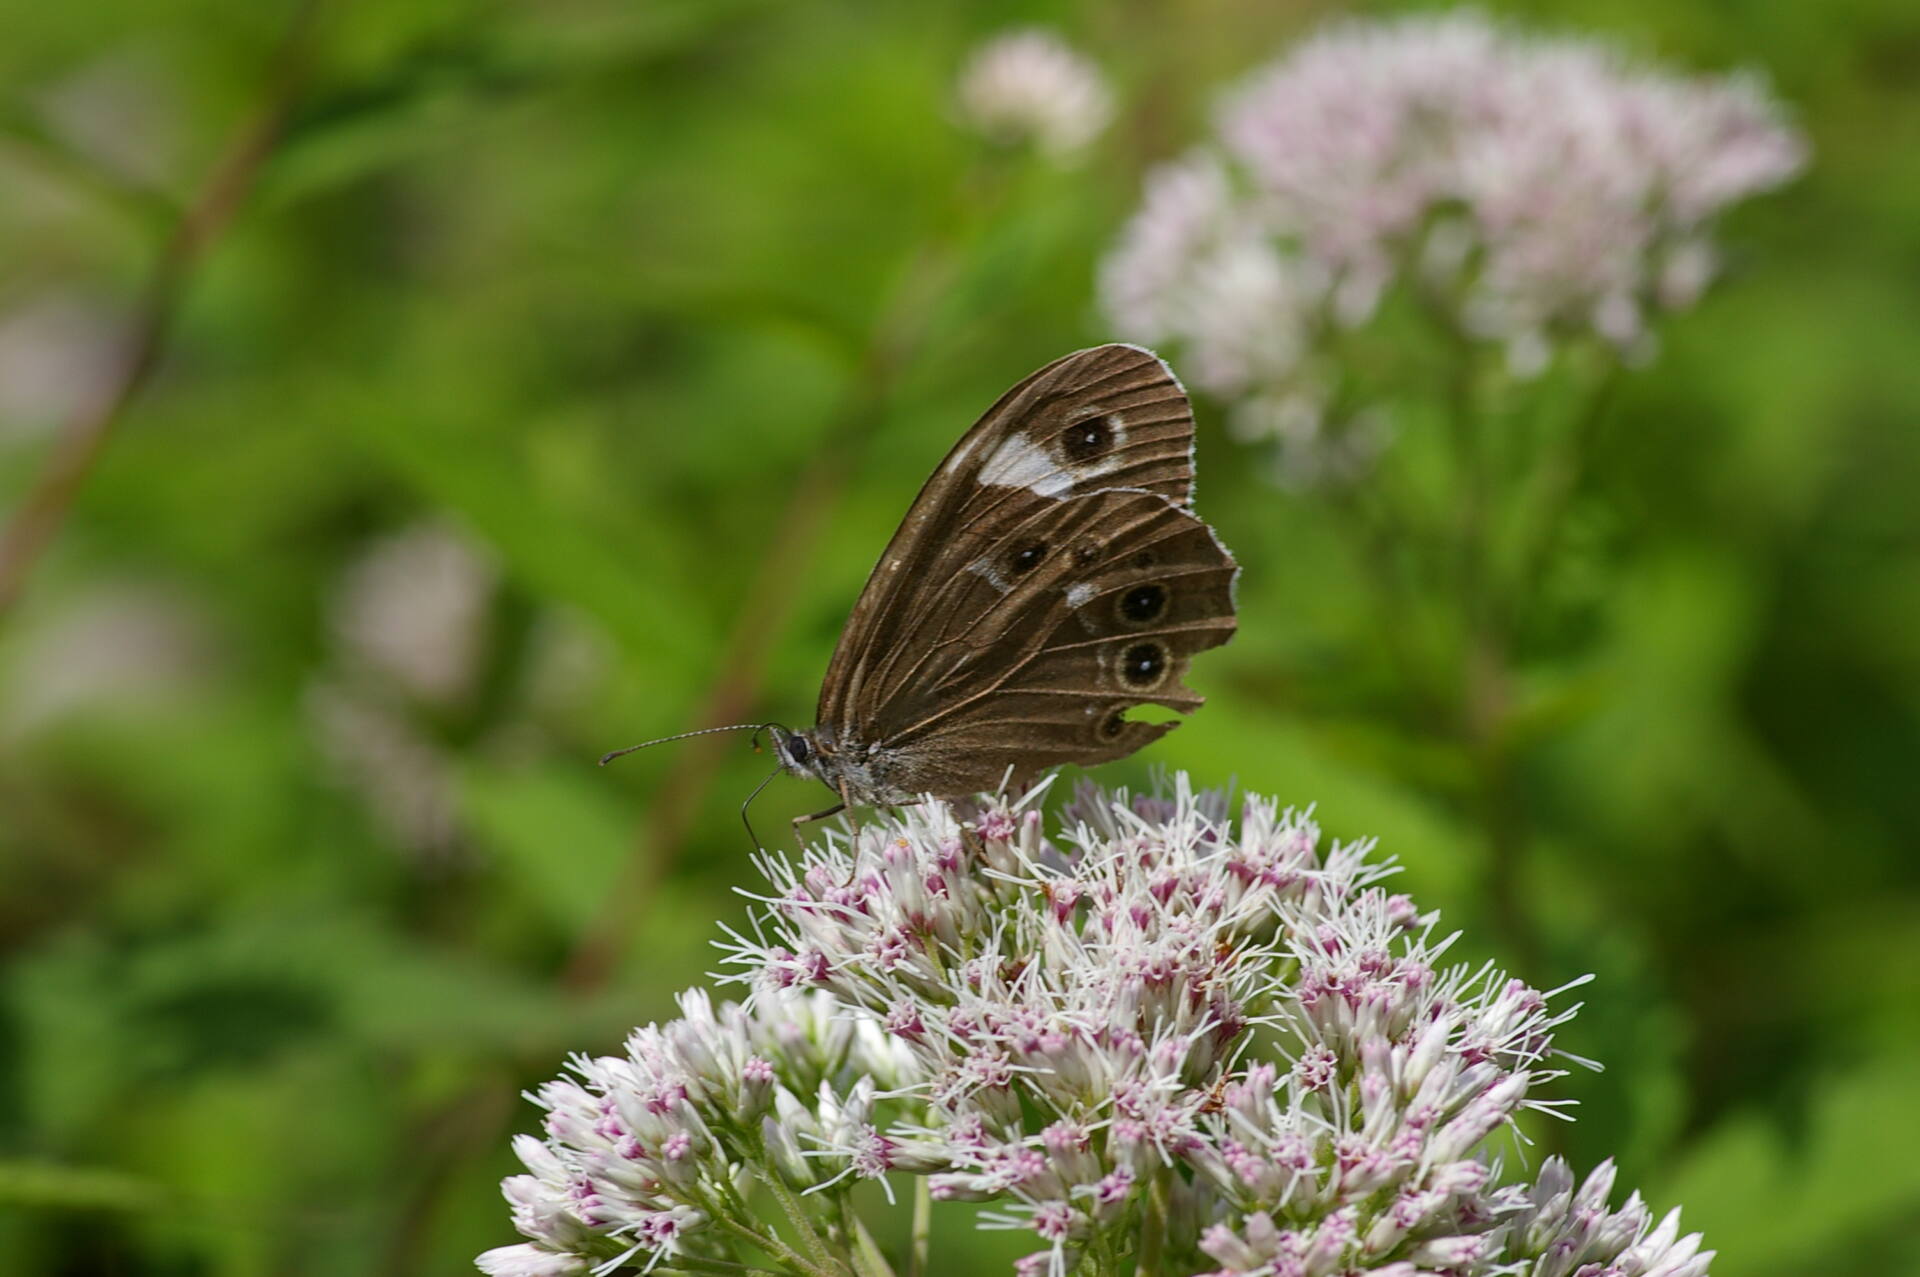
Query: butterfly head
[[798, 752]]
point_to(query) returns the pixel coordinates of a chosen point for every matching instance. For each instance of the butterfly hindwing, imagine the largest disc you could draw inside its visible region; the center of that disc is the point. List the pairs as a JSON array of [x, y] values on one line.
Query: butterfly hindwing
[[1038, 668]]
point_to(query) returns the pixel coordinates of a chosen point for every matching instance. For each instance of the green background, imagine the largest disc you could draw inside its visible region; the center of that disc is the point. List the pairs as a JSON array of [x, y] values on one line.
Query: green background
[[664, 310]]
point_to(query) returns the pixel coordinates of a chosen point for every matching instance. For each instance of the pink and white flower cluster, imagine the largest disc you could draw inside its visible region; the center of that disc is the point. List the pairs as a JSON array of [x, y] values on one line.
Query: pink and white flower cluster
[[644, 1151], [1195, 1039], [1527, 188]]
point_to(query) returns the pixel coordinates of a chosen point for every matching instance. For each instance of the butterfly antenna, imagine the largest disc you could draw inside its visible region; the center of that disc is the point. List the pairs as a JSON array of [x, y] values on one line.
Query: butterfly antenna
[[750, 797], [704, 731]]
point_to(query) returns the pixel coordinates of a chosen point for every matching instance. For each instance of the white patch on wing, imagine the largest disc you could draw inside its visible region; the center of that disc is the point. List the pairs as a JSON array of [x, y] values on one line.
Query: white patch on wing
[[1079, 593], [1022, 463], [1019, 462], [984, 569]]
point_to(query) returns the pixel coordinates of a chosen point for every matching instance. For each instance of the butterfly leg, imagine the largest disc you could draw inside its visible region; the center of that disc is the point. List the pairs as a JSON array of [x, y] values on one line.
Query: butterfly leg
[[846, 803], [818, 815]]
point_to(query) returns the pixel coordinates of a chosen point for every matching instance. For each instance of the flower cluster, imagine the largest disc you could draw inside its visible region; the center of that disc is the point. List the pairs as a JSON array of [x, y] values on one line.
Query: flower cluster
[[1029, 86], [645, 1151], [1526, 188], [1210, 1044], [412, 627]]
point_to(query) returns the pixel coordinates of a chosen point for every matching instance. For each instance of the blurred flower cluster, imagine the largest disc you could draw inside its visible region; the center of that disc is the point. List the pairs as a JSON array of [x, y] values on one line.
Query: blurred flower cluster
[[413, 630], [1523, 191], [1029, 86], [1160, 1036], [408, 621]]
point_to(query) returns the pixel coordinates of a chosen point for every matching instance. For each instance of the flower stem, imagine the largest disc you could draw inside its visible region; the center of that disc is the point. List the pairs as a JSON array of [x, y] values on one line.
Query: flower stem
[[1485, 682], [1559, 474], [794, 1261], [694, 1264], [796, 1213], [1153, 1228], [868, 1258], [922, 1226]]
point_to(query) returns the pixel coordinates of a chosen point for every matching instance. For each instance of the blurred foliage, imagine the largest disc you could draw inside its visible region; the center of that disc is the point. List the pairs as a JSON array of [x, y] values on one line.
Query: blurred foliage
[[611, 301]]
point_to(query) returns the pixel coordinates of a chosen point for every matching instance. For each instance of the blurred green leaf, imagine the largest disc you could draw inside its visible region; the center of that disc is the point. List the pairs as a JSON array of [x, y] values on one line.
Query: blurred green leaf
[[48, 1185], [559, 837], [1771, 1204]]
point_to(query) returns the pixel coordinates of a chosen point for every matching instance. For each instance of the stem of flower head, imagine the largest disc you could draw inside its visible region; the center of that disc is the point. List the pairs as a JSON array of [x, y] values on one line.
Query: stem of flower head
[[1153, 1226], [868, 1258], [840, 1231], [922, 1226], [1100, 1260], [794, 1261], [1382, 537], [734, 1208], [694, 1264], [1559, 474], [1484, 680], [796, 1212]]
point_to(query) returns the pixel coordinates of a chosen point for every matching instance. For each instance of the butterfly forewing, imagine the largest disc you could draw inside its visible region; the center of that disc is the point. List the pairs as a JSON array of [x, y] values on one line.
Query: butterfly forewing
[[1049, 577], [1113, 416]]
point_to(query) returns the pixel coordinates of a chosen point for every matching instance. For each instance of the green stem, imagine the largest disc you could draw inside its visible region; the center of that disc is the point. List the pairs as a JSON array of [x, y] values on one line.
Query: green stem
[[694, 1264], [867, 1254], [1559, 473], [1463, 416], [1379, 537], [1486, 673], [922, 1227], [794, 1261], [1101, 1259], [796, 1213], [1153, 1229]]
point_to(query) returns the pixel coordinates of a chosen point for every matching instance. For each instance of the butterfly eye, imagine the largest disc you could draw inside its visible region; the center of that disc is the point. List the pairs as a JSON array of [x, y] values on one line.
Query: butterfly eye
[[1143, 664], [1085, 440], [1143, 603], [1027, 557], [798, 751]]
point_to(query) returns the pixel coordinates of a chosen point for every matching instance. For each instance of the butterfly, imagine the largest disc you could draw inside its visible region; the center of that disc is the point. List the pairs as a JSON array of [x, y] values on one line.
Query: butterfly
[[1050, 577]]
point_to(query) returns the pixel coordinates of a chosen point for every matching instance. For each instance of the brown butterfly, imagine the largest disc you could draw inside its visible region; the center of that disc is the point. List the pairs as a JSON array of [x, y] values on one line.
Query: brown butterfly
[[1050, 577]]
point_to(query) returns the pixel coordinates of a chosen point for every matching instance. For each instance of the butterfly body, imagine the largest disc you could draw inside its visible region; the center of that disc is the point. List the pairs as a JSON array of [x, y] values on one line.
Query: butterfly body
[[1050, 576], [860, 771]]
